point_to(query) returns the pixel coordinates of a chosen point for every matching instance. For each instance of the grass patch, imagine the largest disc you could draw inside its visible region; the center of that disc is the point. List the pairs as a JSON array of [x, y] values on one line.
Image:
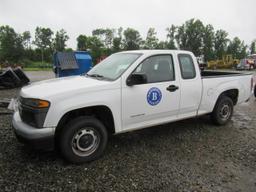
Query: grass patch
[[36, 64], [29, 65], [36, 69]]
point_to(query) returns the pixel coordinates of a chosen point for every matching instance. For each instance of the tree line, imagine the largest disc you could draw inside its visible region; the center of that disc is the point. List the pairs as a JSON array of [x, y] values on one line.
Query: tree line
[[192, 35]]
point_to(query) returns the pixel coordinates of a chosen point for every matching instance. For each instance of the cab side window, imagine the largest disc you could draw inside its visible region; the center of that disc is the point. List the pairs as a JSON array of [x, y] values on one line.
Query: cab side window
[[157, 68], [187, 67]]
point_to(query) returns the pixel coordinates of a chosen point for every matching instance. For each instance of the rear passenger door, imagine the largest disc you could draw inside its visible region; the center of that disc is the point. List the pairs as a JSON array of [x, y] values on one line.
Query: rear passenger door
[[191, 86], [156, 101]]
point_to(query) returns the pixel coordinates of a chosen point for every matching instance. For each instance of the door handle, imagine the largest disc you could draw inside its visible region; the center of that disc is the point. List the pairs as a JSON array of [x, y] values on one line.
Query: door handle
[[172, 88]]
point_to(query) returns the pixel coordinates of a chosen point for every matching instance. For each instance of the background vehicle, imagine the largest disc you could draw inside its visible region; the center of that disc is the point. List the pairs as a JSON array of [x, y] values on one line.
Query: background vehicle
[[253, 59], [245, 64], [201, 62], [126, 91], [227, 61]]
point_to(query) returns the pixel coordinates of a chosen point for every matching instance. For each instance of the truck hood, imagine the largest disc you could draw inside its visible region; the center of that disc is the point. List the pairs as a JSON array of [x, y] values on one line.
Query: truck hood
[[68, 85]]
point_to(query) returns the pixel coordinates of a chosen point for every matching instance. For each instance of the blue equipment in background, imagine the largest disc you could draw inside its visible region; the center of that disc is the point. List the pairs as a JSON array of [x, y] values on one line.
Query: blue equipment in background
[[71, 63]]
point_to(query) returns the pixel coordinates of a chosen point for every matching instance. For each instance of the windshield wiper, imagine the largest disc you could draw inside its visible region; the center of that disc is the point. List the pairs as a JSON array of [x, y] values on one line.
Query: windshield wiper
[[99, 77], [95, 75]]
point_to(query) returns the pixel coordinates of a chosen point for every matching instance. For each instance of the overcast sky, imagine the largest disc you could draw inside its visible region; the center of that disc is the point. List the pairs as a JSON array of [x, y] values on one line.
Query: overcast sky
[[237, 17]]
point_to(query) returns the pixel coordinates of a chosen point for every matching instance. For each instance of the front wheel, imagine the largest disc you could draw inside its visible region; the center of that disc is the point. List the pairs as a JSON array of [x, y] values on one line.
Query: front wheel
[[83, 139], [222, 111]]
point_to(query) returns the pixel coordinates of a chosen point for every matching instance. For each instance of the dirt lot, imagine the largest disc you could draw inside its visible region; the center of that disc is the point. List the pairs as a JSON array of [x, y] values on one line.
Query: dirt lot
[[191, 155]]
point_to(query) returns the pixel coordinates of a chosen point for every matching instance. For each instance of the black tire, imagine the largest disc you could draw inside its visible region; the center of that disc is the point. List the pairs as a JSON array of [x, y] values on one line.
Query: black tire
[[254, 91], [222, 111], [79, 133]]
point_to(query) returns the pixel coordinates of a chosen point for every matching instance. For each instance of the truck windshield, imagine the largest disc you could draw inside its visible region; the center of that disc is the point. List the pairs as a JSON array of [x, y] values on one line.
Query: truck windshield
[[113, 66]]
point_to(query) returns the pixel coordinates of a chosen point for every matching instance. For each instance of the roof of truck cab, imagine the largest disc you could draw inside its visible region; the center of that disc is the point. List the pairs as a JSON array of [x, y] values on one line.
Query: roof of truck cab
[[155, 51]]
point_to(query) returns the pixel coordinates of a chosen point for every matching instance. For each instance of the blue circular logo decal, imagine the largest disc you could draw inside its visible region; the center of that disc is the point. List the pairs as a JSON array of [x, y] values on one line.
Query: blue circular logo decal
[[154, 96]]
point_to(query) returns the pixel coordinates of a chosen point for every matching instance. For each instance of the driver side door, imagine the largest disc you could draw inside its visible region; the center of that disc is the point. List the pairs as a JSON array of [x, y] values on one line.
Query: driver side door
[[155, 101]]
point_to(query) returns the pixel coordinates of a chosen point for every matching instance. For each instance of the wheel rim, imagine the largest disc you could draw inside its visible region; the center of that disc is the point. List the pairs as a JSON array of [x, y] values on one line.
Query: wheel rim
[[85, 141], [225, 112]]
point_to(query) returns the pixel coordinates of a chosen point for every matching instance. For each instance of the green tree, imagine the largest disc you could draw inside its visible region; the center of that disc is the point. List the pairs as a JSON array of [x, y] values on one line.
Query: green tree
[[253, 47], [171, 31], [151, 41], [43, 40], [60, 40], [100, 34], [117, 40], [190, 36], [132, 39], [208, 42], [106, 36], [120, 32], [82, 44], [11, 47], [92, 44], [26, 38], [162, 45], [69, 50], [29, 53], [220, 43], [237, 48], [116, 44], [109, 36], [95, 47]]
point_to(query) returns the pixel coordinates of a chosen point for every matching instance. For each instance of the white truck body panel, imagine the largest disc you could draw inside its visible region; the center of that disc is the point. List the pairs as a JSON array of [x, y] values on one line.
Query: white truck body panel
[[70, 93], [213, 88], [191, 90]]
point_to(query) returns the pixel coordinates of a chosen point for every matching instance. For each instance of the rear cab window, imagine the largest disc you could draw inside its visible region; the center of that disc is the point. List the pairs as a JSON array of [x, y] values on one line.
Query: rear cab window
[[187, 66]]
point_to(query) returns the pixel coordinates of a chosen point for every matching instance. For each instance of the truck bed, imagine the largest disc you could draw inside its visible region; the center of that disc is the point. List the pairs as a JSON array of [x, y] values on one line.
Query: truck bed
[[216, 82], [216, 74]]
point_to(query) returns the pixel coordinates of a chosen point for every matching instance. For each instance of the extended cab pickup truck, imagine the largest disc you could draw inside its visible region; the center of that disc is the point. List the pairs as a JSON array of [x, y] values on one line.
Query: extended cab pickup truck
[[126, 91]]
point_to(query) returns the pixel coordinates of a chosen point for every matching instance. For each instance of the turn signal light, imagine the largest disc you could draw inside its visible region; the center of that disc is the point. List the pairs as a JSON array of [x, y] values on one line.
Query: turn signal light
[[43, 104], [35, 103]]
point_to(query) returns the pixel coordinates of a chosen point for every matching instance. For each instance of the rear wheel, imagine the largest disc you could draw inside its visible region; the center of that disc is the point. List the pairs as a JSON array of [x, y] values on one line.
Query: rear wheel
[[222, 111], [83, 139]]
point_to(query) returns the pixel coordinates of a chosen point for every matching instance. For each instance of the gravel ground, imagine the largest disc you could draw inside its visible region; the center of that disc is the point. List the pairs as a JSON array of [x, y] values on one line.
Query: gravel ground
[[191, 155]]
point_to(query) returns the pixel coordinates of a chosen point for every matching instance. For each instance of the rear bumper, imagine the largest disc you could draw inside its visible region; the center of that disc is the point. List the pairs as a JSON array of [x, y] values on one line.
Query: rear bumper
[[39, 138]]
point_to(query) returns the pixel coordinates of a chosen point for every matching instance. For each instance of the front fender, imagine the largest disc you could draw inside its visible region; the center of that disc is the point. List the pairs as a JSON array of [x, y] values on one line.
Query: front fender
[[61, 106]]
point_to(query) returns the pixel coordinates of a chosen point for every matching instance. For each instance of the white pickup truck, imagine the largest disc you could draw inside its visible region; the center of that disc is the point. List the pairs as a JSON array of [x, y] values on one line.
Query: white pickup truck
[[126, 91]]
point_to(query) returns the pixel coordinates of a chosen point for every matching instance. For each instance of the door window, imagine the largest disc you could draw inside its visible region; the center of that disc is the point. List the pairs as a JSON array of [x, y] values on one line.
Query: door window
[[157, 68]]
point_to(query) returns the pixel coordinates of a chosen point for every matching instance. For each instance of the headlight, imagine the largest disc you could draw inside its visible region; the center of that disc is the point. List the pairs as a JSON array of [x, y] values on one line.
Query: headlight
[[35, 103], [33, 111]]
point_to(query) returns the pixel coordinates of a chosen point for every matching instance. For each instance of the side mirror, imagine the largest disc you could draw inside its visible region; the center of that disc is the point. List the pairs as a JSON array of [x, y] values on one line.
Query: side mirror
[[136, 79]]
